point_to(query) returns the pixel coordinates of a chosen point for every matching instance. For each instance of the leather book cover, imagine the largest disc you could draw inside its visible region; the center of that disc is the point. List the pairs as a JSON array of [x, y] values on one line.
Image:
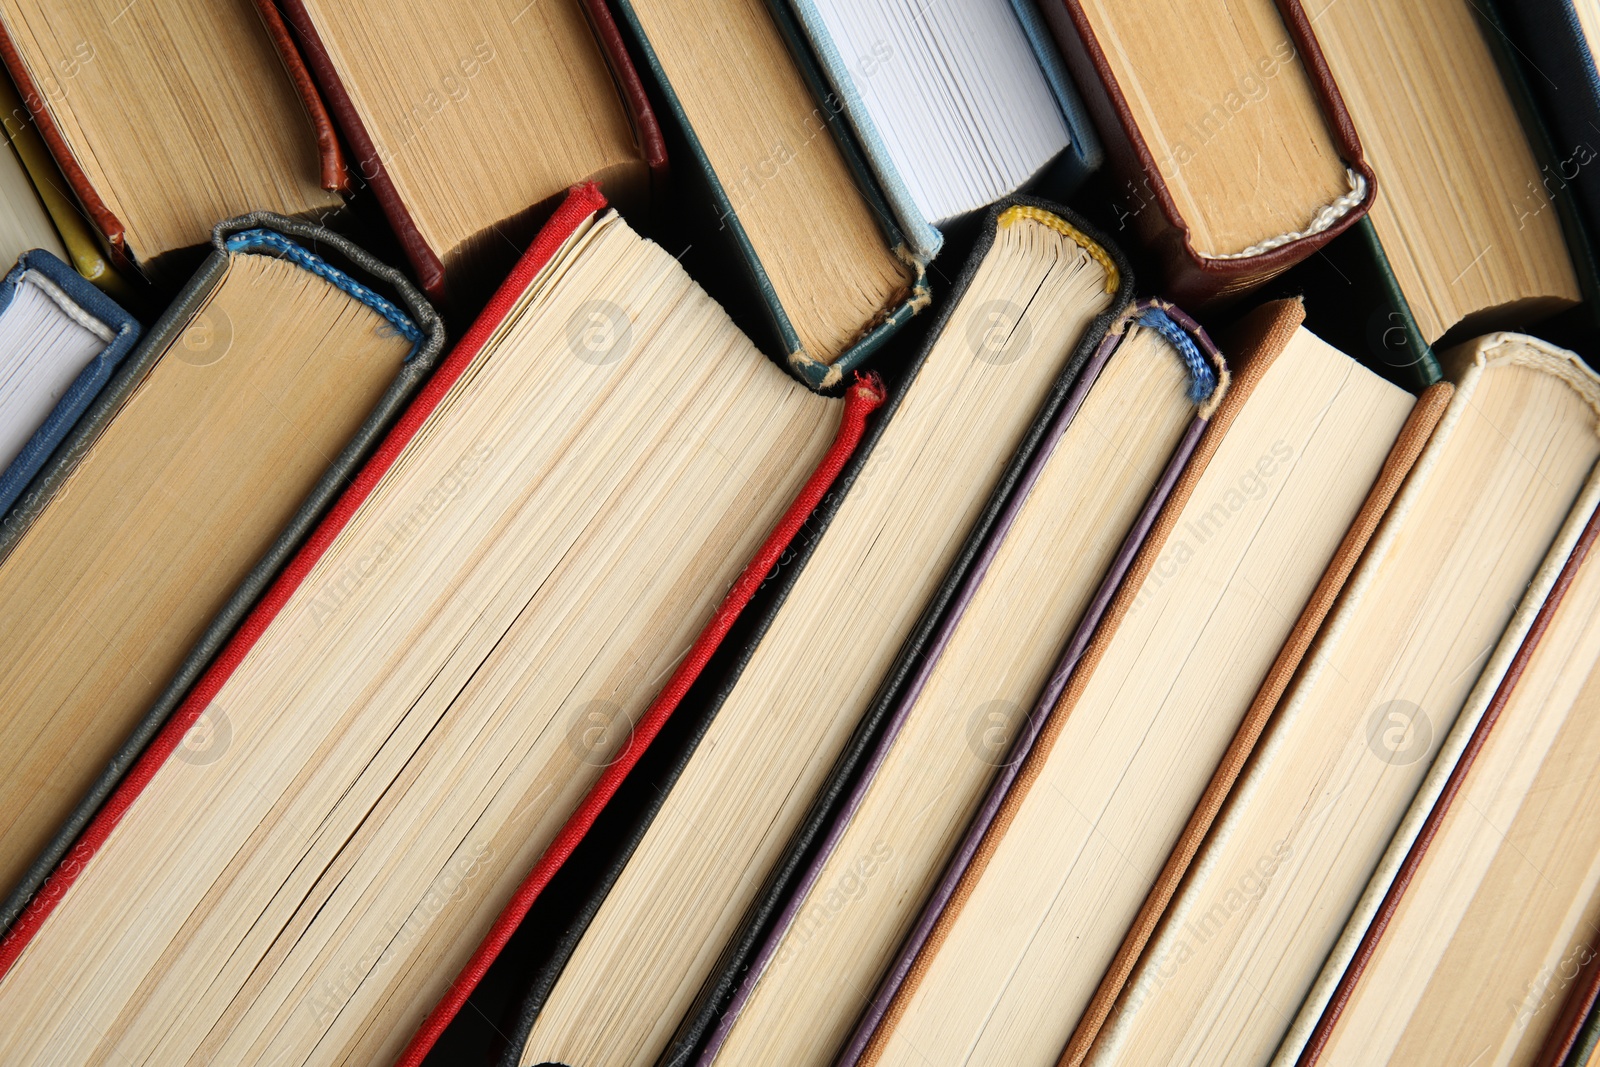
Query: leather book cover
[[1192, 278], [1256, 342], [303, 50], [774, 333], [849, 782], [228, 239], [109, 227], [86, 386], [100, 217], [666, 764], [1581, 996]]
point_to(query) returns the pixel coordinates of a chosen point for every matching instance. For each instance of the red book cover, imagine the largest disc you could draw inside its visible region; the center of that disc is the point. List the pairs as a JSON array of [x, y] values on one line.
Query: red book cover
[[581, 203]]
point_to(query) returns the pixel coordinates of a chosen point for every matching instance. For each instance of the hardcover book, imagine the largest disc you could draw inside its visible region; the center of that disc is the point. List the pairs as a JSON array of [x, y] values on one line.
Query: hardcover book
[[1483, 941], [178, 494], [1041, 582], [1316, 824], [816, 261], [965, 418], [1474, 237], [1226, 129], [414, 711], [165, 116], [1049, 889], [60, 341], [954, 105], [470, 120]]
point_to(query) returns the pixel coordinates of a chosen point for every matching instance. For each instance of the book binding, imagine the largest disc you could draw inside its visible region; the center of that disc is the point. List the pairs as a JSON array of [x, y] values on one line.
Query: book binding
[[1562, 1036]]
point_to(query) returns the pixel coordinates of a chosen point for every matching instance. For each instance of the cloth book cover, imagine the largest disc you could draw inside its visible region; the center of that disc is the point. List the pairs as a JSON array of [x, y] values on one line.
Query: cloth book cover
[[259, 233], [778, 334], [849, 782], [1255, 344], [668, 764], [311, 70], [92, 304], [1058, 182], [1581, 997], [1193, 278], [339, 495]]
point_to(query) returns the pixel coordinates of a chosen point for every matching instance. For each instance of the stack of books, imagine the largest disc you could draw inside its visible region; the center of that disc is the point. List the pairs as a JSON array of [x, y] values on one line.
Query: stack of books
[[806, 532]]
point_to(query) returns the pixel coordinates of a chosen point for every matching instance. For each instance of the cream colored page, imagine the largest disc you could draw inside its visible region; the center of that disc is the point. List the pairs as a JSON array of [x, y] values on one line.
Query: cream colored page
[[1053, 558], [477, 111], [1464, 221], [1273, 886], [418, 722], [203, 466], [728, 818], [1028, 950], [179, 111], [1476, 962], [765, 135], [1228, 112]]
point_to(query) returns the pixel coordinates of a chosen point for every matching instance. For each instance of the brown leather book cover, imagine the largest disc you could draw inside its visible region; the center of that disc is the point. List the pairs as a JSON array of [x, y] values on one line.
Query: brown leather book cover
[[1582, 996], [1193, 278], [303, 49], [334, 176]]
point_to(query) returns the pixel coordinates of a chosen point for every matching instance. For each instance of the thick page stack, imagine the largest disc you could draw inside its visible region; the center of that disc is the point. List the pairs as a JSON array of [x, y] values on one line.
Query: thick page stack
[[164, 117], [176, 497], [1041, 583], [410, 714], [60, 340], [1181, 102], [1489, 926], [1255, 542], [1418, 644], [471, 120], [1464, 216], [1029, 312]]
